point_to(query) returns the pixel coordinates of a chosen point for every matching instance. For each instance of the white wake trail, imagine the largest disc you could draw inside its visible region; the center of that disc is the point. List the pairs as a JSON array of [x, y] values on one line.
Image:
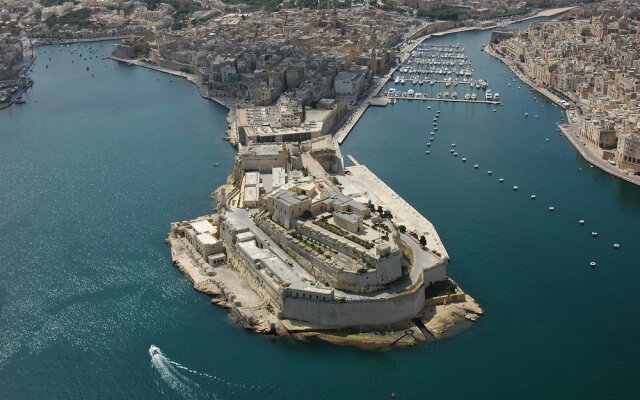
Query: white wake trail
[[212, 377], [171, 376]]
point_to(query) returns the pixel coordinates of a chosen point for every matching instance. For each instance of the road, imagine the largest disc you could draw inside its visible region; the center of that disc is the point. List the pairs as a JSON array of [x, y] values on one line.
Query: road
[[570, 131]]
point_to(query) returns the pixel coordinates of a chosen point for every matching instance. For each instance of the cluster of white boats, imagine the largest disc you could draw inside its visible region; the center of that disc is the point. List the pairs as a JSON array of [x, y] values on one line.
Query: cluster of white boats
[[419, 80], [394, 93], [442, 60], [429, 60]]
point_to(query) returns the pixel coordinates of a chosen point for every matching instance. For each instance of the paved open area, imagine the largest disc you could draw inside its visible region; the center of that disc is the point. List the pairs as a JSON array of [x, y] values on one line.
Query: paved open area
[[362, 181]]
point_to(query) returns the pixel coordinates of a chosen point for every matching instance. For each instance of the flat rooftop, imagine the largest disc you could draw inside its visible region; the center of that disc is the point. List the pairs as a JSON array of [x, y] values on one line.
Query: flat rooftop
[[251, 178], [250, 193], [278, 177], [279, 268], [207, 238], [203, 226]]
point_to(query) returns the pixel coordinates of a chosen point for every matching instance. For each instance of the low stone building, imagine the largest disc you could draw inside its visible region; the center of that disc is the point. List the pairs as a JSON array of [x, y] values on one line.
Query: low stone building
[[348, 220], [287, 206]]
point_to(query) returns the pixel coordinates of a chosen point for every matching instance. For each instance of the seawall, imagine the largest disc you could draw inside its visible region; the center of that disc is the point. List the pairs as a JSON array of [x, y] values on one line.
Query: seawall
[[593, 159]]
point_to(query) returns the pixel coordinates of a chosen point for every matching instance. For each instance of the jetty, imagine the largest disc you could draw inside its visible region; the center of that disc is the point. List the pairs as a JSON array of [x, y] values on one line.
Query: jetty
[[442, 99]]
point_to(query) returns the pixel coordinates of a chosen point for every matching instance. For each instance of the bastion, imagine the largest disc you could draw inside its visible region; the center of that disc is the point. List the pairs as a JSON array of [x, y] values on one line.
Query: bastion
[[293, 250]]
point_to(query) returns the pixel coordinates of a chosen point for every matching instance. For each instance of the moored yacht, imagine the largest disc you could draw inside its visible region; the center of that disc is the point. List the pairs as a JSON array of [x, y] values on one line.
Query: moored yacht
[[488, 96]]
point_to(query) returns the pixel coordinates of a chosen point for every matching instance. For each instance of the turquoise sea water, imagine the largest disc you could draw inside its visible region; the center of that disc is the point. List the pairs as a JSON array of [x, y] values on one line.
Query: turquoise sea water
[[93, 170]]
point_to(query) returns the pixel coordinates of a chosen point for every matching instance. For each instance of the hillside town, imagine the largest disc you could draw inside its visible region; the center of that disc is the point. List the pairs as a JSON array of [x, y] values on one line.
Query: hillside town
[[592, 62], [253, 51]]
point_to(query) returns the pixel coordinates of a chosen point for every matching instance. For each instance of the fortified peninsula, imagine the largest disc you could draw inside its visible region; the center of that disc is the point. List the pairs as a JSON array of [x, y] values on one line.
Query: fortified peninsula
[[300, 246]]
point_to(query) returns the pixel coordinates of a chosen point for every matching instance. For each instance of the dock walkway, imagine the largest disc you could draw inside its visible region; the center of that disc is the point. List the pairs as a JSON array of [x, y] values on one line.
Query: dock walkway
[[446, 100]]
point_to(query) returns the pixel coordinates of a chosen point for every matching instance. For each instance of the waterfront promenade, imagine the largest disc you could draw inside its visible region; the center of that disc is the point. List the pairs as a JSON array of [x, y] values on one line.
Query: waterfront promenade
[[569, 130], [228, 102], [513, 67]]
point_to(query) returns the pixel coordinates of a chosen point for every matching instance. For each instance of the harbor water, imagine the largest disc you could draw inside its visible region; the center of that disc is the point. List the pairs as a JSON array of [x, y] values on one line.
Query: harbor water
[[94, 168]]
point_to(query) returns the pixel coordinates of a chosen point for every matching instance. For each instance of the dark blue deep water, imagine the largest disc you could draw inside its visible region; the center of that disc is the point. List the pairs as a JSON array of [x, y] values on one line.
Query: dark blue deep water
[[93, 170]]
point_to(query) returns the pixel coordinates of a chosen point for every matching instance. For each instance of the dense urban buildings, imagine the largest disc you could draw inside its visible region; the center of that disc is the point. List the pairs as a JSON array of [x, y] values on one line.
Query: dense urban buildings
[[593, 62]]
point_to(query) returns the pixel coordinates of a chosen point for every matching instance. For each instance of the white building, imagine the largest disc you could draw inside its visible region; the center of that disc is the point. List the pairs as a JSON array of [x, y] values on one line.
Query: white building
[[349, 83]]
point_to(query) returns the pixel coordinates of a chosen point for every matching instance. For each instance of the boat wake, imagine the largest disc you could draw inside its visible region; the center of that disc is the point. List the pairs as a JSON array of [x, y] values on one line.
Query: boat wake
[[170, 376], [181, 379]]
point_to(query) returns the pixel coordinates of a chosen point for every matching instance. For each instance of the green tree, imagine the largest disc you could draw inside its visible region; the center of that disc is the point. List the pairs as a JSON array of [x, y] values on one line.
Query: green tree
[[423, 241]]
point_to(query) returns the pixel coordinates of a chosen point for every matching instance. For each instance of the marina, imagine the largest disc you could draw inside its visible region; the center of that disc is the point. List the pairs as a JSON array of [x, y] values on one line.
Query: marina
[[436, 72], [447, 100]]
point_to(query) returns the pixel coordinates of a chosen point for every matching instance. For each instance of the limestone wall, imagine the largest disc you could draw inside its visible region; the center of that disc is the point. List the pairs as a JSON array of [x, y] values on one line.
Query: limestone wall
[[356, 313], [386, 269], [435, 274], [257, 282], [448, 299], [351, 281]]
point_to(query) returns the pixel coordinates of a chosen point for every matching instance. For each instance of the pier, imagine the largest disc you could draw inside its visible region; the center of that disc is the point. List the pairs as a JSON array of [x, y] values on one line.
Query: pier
[[445, 100]]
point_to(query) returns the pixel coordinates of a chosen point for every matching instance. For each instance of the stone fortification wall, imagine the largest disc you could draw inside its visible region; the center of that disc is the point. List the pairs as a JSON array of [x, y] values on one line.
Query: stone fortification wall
[[174, 65], [435, 274], [386, 269], [351, 281], [252, 275], [350, 313], [447, 299]]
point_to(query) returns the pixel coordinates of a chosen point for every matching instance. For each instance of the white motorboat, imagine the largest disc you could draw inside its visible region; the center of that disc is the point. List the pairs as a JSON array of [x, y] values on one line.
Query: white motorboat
[[153, 351]]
